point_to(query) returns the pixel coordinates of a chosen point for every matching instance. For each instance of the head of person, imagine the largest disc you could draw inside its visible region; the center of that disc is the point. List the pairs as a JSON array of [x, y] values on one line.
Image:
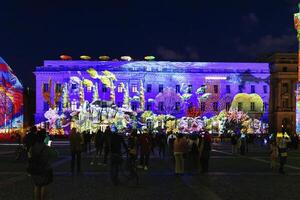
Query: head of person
[[180, 135], [33, 129], [41, 136], [73, 130]]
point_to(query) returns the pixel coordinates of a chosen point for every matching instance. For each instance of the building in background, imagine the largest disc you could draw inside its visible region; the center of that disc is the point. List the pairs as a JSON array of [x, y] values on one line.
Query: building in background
[[11, 99], [163, 87], [282, 104]]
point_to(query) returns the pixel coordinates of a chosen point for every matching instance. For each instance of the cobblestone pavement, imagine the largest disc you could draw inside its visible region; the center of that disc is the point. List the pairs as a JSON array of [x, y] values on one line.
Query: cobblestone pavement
[[230, 177]]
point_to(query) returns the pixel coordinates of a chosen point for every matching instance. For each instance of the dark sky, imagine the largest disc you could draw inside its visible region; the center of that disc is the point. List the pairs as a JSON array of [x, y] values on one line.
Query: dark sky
[[185, 30]]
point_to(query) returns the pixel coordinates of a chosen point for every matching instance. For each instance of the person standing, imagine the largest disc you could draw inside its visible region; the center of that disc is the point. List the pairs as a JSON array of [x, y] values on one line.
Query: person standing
[[234, 143], [205, 149], [170, 141], [132, 153], [161, 141], [180, 148], [106, 143], [273, 154], [282, 143], [98, 141], [145, 149], [39, 166], [116, 142], [76, 143]]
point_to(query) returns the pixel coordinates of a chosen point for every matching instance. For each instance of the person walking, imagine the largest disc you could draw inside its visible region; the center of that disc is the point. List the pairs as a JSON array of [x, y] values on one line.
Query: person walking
[[180, 148], [282, 143], [116, 142], [205, 149], [76, 143], [39, 166]]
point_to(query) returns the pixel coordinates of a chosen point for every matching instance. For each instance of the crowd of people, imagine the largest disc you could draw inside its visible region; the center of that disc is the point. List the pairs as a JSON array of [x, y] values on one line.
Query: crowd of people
[[188, 152]]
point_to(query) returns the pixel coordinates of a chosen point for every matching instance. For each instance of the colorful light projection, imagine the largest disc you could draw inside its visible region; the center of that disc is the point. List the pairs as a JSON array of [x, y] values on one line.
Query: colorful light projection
[[136, 86], [11, 99]]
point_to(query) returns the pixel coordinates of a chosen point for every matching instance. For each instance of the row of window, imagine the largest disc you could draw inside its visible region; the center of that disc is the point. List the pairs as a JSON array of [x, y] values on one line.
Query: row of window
[[134, 88], [134, 106]]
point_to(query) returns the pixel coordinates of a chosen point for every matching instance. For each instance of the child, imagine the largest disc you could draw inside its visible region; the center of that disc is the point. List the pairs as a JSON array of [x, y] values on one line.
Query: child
[[273, 154]]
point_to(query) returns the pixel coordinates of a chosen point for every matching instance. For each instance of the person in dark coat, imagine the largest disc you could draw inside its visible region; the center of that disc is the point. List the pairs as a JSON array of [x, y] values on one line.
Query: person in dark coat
[[116, 142], [145, 149], [30, 138], [106, 143], [205, 149], [98, 141], [76, 143], [40, 156]]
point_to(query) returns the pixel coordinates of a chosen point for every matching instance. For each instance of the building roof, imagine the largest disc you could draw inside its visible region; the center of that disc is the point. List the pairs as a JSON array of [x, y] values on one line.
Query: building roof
[[162, 66]]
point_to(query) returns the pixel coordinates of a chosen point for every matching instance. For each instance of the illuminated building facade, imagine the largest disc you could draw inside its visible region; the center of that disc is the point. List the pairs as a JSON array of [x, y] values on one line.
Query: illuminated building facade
[[282, 106], [208, 86], [11, 99]]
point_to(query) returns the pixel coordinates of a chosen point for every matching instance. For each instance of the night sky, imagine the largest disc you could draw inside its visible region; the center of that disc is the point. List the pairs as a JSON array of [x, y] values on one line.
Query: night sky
[[186, 30]]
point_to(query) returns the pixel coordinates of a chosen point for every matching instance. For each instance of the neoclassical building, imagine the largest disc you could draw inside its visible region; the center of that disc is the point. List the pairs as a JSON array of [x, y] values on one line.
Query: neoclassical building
[[208, 86]]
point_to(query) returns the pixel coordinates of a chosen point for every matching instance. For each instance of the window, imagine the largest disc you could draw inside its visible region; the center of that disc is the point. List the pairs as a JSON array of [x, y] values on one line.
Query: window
[[73, 105], [148, 106], [104, 88], [134, 88], [134, 106], [202, 106], [252, 106], [216, 89], [284, 69], [215, 106], [228, 89], [46, 106], [190, 89], [203, 88], [228, 104], [265, 106], [45, 87], [190, 106], [161, 106], [160, 88], [59, 105], [177, 106], [241, 87], [104, 104], [120, 88], [177, 87], [265, 88], [252, 88], [240, 106], [285, 103], [149, 87], [58, 87], [73, 86], [285, 87]]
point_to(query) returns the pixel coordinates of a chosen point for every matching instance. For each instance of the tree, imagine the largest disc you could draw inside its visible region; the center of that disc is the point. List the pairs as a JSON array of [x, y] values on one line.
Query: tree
[[166, 101]]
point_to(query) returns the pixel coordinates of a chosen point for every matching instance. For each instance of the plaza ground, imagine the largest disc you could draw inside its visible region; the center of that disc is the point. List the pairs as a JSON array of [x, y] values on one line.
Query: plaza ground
[[230, 177]]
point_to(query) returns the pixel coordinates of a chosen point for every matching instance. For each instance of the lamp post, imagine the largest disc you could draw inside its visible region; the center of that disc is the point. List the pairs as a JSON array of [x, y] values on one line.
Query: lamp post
[[297, 27]]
